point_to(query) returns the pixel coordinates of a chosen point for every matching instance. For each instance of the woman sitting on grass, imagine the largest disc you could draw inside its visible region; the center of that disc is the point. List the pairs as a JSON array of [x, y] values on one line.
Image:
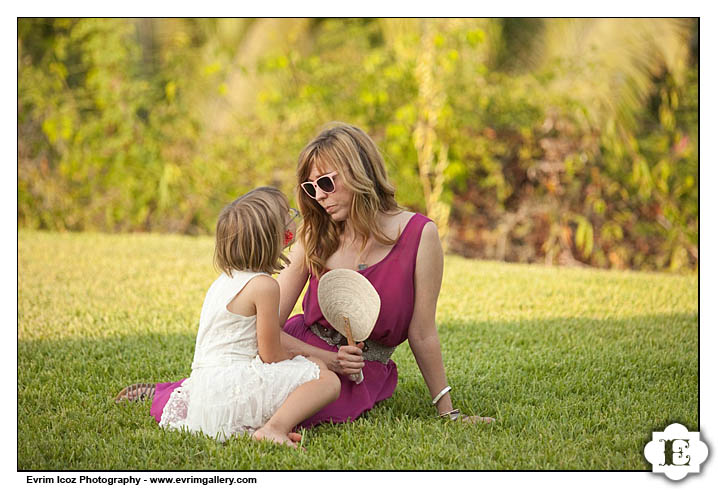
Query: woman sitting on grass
[[352, 221], [243, 380]]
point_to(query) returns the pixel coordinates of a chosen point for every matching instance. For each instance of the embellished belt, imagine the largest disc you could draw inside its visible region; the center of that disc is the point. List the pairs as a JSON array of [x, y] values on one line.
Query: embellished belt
[[373, 351]]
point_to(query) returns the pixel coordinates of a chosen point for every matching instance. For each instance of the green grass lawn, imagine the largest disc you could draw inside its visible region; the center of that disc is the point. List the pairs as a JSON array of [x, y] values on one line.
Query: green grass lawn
[[578, 366]]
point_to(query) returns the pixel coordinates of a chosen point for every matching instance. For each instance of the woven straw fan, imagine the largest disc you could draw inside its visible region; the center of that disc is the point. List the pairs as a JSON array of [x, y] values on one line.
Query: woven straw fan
[[350, 304]]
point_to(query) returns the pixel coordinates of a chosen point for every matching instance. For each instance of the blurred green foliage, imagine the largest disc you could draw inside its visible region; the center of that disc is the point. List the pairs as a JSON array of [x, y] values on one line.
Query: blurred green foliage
[[559, 141]]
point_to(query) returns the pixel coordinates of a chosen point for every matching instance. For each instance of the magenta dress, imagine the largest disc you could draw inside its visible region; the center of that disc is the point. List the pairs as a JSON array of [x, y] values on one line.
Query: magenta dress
[[393, 278]]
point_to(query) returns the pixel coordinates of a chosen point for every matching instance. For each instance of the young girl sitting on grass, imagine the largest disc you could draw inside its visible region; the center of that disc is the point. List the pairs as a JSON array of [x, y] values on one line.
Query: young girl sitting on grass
[[243, 380]]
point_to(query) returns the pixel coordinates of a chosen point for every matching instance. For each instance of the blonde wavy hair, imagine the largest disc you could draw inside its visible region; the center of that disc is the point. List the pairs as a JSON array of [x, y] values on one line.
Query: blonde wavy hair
[[355, 157], [250, 233]]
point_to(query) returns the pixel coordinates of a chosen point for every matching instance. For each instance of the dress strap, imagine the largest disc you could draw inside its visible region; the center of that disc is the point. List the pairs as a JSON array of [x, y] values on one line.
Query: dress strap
[[412, 237], [236, 283]]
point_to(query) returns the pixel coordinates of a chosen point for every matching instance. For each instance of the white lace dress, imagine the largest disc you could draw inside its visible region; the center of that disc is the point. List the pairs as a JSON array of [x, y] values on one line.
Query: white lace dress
[[230, 389]]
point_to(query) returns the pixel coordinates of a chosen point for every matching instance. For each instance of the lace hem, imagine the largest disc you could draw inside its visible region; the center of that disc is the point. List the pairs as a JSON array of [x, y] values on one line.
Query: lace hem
[[226, 401], [174, 413]]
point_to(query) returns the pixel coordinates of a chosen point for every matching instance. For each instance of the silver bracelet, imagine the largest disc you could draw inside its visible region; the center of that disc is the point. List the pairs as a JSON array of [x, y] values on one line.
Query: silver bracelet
[[441, 393]]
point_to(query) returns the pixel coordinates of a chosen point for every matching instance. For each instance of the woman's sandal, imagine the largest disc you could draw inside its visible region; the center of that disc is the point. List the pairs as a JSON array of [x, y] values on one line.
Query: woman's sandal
[[455, 414], [136, 392], [477, 419]]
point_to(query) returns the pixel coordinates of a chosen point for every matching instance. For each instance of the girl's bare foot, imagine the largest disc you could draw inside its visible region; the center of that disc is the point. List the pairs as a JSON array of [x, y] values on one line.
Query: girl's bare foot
[[270, 434]]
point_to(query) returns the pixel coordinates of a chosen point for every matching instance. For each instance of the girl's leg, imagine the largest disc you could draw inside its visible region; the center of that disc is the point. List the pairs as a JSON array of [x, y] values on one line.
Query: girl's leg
[[301, 404]]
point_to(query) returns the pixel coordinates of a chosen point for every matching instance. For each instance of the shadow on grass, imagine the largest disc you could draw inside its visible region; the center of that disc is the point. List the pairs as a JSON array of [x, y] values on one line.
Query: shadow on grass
[[573, 386]]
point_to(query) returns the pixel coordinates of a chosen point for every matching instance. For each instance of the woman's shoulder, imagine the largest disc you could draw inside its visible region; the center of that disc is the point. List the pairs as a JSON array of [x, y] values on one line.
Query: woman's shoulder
[[429, 232], [421, 225], [400, 221], [408, 216], [420, 231]]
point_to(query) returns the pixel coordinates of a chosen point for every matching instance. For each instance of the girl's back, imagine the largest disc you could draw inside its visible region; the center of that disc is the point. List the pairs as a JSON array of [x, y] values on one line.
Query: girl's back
[[225, 337]]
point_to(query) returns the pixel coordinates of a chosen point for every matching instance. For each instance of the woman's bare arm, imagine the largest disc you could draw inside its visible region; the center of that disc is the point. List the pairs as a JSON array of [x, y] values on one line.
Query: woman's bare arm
[[423, 336], [291, 281], [347, 361]]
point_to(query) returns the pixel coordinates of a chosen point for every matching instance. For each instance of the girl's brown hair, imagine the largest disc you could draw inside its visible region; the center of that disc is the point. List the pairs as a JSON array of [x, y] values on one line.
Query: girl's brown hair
[[250, 232], [352, 153]]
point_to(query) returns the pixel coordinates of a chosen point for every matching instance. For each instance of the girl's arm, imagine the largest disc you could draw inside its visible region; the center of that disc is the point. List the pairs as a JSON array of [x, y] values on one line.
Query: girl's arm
[[264, 291], [423, 337]]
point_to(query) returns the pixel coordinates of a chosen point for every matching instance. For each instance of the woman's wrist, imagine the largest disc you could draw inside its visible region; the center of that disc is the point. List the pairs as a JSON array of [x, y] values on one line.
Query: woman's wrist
[[327, 357], [333, 362]]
